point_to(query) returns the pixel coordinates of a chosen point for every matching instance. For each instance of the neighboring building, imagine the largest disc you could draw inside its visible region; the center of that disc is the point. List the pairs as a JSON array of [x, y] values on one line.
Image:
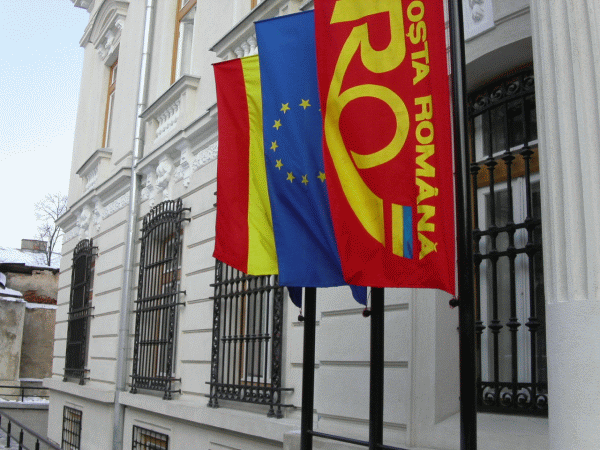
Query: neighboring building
[[28, 292], [149, 325]]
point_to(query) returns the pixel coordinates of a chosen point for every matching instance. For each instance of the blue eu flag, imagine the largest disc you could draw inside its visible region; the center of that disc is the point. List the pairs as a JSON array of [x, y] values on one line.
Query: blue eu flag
[[306, 248]]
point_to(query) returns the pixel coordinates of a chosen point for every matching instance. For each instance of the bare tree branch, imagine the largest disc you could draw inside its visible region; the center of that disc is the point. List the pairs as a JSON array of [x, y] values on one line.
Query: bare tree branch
[[47, 211]]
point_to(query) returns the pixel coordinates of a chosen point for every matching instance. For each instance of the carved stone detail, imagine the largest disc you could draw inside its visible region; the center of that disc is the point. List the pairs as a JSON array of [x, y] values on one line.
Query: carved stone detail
[[97, 214], [150, 182], [164, 178], [109, 42], [71, 234], [168, 119], [83, 222], [91, 178], [116, 205], [185, 169], [477, 10], [205, 156], [247, 48], [478, 16]]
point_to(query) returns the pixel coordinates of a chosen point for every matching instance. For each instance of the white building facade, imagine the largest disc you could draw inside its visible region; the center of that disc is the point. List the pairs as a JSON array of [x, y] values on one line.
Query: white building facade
[[152, 334]]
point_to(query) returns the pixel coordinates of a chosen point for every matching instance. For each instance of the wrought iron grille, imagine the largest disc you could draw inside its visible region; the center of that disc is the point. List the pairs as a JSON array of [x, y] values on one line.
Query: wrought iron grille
[[158, 298], [144, 439], [80, 307], [246, 342], [71, 429], [507, 234]]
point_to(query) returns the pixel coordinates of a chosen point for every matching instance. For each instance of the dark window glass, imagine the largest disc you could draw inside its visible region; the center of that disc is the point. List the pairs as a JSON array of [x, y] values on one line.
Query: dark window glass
[[80, 306]]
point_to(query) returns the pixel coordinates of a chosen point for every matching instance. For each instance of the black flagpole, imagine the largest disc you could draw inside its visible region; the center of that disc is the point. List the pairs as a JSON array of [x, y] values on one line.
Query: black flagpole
[[464, 241], [308, 368]]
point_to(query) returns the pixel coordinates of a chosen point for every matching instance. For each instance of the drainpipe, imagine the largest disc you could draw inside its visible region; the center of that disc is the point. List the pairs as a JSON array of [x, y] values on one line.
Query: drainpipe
[[130, 239]]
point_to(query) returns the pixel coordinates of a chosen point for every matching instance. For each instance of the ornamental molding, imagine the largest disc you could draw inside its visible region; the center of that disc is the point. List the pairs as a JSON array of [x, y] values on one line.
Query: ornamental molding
[[241, 40], [89, 218], [164, 179], [160, 175], [116, 205], [95, 168], [186, 166], [205, 156], [85, 4], [104, 29], [149, 173], [173, 109]]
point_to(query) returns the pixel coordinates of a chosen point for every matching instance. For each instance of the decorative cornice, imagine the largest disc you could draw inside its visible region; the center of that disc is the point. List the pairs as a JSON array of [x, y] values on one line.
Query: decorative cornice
[[104, 29], [205, 156], [241, 40], [85, 4]]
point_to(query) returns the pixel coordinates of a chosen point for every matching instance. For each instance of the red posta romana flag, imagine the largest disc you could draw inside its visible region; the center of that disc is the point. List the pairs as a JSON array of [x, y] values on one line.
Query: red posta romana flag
[[244, 229], [383, 82]]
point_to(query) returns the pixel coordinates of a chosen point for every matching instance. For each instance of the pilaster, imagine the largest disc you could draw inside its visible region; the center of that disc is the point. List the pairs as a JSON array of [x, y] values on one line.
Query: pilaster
[[567, 66]]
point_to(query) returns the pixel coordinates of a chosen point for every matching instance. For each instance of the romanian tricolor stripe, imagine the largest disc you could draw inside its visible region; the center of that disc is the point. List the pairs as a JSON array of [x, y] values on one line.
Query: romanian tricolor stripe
[[244, 229]]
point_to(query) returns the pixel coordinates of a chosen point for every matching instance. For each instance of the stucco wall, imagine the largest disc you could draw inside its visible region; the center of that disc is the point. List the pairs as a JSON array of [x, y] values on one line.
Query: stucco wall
[[12, 316], [38, 343], [44, 282]]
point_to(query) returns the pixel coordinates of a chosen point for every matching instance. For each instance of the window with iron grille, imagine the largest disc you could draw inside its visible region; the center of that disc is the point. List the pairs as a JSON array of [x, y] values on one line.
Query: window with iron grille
[[80, 307], [71, 429], [246, 342], [158, 299], [507, 234], [144, 439]]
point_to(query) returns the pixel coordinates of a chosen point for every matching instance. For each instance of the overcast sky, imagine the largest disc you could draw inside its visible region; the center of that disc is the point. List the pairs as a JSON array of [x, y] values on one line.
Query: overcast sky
[[40, 71]]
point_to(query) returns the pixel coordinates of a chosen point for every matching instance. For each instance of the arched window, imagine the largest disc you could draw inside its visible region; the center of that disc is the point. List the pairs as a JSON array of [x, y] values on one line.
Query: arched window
[[158, 298], [80, 307]]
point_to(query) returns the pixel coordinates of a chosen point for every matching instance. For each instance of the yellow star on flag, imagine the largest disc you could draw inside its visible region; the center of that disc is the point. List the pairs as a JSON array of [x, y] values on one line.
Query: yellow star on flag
[[279, 164], [274, 145], [321, 176], [277, 124], [290, 177], [304, 180], [305, 104], [285, 107]]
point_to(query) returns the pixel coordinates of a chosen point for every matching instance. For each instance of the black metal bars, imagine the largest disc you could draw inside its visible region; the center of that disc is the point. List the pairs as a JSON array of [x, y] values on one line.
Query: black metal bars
[[511, 374], [80, 307], [71, 429], [28, 439], [246, 342], [158, 298], [144, 439]]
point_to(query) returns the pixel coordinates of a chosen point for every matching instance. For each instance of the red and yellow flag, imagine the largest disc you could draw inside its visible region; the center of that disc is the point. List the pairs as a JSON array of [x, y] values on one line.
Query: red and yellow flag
[[383, 82], [244, 229]]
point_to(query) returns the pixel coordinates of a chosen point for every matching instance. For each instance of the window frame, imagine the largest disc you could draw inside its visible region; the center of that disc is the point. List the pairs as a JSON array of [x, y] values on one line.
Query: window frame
[[110, 99], [182, 11]]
